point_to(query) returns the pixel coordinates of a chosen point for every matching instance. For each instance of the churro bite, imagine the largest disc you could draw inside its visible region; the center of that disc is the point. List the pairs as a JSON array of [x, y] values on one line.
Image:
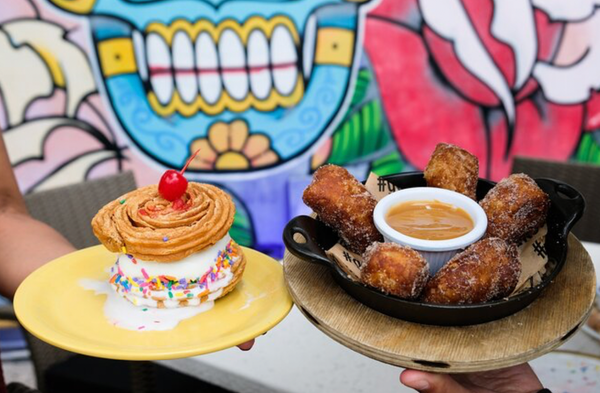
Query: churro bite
[[487, 270], [344, 204], [454, 169], [516, 208], [172, 244], [395, 269]]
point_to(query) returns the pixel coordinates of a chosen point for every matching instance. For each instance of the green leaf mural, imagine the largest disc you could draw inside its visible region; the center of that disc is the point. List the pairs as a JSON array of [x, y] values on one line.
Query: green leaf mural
[[388, 164], [361, 88], [360, 135], [364, 131], [589, 149], [242, 231]]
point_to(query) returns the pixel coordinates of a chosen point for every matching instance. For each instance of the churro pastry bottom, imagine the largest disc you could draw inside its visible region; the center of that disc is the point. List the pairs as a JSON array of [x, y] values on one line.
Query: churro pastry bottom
[[204, 276]]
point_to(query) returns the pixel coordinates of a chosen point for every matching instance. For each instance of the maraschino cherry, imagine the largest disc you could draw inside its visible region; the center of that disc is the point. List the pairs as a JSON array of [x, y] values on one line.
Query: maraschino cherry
[[173, 184]]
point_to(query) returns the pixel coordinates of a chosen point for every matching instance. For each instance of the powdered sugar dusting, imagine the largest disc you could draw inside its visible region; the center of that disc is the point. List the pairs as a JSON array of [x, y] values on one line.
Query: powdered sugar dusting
[[395, 269], [487, 270], [453, 168], [344, 204], [516, 208]]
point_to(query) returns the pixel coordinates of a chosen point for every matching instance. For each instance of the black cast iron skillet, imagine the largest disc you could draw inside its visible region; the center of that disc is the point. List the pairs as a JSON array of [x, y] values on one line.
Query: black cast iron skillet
[[566, 208]]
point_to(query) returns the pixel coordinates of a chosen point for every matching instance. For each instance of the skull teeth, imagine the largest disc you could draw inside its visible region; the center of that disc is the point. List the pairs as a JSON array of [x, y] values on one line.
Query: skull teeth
[[258, 61], [207, 62], [233, 64], [183, 59], [160, 64], [218, 68], [310, 39], [284, 59]]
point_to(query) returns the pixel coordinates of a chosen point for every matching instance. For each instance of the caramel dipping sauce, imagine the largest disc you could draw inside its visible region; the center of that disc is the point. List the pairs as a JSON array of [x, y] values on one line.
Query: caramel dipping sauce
[[429, 220]]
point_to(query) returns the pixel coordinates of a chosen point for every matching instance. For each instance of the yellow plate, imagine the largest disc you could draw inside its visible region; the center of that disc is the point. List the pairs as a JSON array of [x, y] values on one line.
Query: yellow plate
[[53, 306]]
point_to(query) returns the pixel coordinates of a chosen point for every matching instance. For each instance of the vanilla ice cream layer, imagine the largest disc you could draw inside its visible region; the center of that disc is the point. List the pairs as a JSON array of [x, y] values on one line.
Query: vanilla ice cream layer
[[191, 267], [198, 278]]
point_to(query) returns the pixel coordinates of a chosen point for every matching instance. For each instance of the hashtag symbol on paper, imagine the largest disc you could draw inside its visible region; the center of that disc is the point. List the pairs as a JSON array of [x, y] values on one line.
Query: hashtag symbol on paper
[[381, 184], [539, 249]]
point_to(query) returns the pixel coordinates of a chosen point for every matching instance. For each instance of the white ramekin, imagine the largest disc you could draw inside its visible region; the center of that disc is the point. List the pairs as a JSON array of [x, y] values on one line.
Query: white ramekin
[[436, 252]]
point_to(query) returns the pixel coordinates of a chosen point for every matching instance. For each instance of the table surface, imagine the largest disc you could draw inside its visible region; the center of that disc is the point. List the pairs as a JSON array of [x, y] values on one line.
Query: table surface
[[296, 357]]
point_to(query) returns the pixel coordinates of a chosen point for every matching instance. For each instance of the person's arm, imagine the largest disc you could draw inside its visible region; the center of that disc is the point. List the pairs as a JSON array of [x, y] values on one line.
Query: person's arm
[[25, 243]]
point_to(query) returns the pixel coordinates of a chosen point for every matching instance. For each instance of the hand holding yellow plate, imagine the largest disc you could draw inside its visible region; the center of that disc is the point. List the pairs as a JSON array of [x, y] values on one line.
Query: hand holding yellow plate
[[53, 306]]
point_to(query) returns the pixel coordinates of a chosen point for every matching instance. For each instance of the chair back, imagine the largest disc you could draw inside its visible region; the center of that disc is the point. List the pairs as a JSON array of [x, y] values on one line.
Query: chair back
[[70, 209], [584, 177]]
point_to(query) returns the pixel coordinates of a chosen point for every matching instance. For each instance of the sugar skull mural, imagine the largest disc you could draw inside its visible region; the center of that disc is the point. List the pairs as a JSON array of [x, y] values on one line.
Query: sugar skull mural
[[268, 90], [252, 84]]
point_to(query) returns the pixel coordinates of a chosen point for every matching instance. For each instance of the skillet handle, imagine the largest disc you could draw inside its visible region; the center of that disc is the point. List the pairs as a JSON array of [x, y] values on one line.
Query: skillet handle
[[567, 200], [311, 230]]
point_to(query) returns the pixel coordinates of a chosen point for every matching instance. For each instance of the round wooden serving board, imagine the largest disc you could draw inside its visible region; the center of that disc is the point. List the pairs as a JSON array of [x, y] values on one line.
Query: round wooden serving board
[[546, 324]]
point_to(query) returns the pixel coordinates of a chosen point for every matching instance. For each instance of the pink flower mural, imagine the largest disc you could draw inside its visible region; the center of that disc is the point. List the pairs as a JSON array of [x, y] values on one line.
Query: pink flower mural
[[498, 78]]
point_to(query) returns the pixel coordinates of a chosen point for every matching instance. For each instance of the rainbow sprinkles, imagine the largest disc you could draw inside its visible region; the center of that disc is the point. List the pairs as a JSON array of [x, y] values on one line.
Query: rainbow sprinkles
[[166, 291]]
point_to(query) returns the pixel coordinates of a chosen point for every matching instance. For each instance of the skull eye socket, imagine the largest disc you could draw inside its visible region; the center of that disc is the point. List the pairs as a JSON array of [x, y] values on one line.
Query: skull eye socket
[[75, 6]]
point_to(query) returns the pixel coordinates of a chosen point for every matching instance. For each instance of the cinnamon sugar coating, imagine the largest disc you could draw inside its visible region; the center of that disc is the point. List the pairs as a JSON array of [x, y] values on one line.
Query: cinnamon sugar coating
[[487, 270], [516, 208], [453, 168], [395, 269], [154, 229], [345, 205]]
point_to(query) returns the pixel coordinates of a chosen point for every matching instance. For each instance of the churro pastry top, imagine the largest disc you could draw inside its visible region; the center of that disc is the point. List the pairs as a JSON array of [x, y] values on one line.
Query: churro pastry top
[[144, 224]]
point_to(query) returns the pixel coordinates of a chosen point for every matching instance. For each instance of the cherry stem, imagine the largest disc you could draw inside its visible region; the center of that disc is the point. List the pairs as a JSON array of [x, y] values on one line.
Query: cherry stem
[[189, 161]]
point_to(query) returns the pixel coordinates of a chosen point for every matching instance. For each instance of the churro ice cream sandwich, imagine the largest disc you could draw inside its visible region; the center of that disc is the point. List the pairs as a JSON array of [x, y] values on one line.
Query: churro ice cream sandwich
[[172, 250]]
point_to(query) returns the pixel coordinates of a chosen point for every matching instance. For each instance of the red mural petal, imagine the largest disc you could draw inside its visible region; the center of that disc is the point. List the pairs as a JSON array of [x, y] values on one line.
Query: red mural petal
[[548, 37], [528, 89], [548, 34], [542, 130], [394, 9], [592, 113], [481, 13], [455, 72], [421, 110]]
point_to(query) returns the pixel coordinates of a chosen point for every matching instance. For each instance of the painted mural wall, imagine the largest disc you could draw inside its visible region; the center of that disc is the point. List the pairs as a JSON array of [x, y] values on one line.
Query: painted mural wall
[[269, 90]]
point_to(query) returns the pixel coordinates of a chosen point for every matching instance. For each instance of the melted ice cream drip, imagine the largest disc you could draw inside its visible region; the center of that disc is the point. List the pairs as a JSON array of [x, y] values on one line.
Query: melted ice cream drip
[[125, 315]]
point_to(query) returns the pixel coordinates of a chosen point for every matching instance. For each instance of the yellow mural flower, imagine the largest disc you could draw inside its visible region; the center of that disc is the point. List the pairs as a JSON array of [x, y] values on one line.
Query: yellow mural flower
[[231, 147]]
